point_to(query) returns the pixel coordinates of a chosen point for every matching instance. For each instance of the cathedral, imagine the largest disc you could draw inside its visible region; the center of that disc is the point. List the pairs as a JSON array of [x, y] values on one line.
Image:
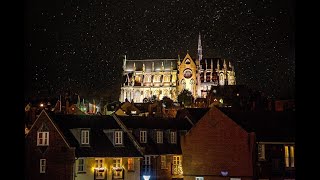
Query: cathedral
[[148, 78]]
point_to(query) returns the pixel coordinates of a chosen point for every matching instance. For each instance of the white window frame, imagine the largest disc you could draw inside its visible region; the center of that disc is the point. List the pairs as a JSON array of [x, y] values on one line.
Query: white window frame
[[85, 136], [199, 178], [147, 164], [117, 164], [289, 156], [43, 138], [131, 165], [173, 137], [81, 166], [160, 137], [163, 162], [118, 137], [43, 165], [99, 162], [143, 136]]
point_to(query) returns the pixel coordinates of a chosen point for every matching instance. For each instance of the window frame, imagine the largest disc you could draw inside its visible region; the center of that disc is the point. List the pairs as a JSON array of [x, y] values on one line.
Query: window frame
[[159, 137], [143, 136], [99, 163], [117, 164], [163, 162], [81, 165], [85, 137], [173, 137], [43, 166], [289, 160], [44, 140], [118, 137]]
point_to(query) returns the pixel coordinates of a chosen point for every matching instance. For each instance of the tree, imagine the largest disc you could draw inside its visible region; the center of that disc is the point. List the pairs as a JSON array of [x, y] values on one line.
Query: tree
[[186, 98], [168, 103]]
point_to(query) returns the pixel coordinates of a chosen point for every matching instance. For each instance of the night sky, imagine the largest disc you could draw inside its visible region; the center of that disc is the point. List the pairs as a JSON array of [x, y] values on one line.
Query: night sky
[[78, 45]]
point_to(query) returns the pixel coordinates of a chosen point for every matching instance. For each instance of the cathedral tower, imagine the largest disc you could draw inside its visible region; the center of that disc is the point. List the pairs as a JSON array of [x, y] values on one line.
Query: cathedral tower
[[187, 76]]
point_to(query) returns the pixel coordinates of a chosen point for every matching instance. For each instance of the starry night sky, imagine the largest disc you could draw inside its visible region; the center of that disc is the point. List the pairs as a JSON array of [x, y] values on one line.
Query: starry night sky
[[78, 45]]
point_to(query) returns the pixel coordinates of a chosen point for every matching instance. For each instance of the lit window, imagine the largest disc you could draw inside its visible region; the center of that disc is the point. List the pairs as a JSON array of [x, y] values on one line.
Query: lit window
[[42, 165], [159, 137], [157, 78], [261, 152], [81, 165], [166, 78], [173, 137], [163, 162], [43, 139], [289, 156], [199, 178], [99, 169], [143, 136], [117, 170], [84, 136], [177, 165], [133, 112], [130, 164], [118, 137]]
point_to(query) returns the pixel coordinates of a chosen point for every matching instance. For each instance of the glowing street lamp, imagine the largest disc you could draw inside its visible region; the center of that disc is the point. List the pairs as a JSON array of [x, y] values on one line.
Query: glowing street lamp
[[146, 177]]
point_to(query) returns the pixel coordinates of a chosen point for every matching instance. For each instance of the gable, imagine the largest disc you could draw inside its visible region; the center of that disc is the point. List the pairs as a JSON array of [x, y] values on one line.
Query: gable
[[188, 58], [215, 119], [45, 122]]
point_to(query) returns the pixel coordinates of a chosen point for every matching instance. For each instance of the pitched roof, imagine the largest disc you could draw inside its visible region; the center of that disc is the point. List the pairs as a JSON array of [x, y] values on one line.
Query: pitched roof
[[193, 114], [269, 126], [100, 145], [151, 122]]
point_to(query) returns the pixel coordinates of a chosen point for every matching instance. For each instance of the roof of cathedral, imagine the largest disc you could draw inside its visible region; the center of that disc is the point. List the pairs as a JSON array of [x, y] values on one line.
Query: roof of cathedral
[[100, 144], [167, 63]]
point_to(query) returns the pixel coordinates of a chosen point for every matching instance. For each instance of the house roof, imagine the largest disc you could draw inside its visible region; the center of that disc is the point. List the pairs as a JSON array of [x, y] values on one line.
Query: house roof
[[150, 122], [194, 114], [100, 145], [269, 126]]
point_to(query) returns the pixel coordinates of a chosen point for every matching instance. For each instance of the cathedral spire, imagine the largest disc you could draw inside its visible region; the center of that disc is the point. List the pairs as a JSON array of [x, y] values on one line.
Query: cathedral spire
[[124, 63], [199, 50], [224, 64], [218, 65]]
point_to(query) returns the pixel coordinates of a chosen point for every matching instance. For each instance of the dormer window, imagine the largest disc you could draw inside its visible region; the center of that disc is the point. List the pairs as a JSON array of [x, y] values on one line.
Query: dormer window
[[173, 137], [85, 137], [118, 137], [159, 137], [143, 136]]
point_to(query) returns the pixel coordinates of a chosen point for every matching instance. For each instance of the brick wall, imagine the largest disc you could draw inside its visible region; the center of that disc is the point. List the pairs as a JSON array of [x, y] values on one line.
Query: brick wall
[[59, 157], [214, 144]]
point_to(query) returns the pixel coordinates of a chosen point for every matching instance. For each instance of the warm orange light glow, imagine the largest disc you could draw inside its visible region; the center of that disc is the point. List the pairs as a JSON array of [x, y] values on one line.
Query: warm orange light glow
[[41, 105]]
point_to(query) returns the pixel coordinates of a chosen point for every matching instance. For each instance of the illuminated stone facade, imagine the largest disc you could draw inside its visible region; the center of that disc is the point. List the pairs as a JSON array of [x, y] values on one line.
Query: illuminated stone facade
[[146, 78]]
